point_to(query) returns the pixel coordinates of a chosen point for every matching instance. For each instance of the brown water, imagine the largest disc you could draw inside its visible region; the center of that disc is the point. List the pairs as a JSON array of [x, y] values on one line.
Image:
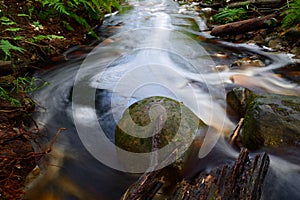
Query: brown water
[[156, 51]]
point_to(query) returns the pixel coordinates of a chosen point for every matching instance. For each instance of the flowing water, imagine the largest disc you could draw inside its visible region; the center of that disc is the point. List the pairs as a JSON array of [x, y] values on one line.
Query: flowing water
[[157, 49]]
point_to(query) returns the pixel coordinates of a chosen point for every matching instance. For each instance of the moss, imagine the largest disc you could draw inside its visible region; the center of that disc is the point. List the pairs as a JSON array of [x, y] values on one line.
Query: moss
[[239, 99], [272, 121], [251, 137], [180, 121], [292, 103]]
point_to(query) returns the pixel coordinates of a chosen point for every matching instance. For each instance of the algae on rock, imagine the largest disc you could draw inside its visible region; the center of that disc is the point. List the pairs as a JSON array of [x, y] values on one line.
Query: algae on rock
[[272, 121], [156, 123]]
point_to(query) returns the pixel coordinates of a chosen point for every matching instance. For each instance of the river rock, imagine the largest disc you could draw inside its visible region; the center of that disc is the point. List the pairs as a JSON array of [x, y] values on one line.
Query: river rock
[[275, 44], [154, 123], [259, 39], [248, 62], [220, 68], [239, 98], [272, 121], [296, 51]]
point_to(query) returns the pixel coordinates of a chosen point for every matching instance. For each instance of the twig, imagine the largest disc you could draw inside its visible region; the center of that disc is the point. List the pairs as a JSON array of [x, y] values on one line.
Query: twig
[[236, 131]]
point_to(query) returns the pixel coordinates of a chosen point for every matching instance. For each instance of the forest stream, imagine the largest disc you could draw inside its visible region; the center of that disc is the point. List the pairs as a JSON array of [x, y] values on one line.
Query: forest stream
[[157, 49]]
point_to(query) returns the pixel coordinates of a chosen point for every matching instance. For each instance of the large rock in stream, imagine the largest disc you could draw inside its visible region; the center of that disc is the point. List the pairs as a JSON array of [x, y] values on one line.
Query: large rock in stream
[[156, 123], [271, 120]]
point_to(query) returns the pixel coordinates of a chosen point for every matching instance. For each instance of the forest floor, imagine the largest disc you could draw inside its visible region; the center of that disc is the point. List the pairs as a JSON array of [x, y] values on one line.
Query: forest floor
[[17, 156]]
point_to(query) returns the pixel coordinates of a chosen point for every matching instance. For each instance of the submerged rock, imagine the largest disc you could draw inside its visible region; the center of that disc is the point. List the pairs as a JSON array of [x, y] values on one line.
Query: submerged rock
[[272, 121]]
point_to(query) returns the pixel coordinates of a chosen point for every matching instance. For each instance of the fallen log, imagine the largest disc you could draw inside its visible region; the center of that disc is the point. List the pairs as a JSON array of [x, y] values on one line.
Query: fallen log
[[215, 6], [258, 3], [244, 26], [243, 180]]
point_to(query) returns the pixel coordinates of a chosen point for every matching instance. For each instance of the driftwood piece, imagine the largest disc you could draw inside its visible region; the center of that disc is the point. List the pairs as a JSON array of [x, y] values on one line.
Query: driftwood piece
[[236, 132], [242, 26], [243, 180]]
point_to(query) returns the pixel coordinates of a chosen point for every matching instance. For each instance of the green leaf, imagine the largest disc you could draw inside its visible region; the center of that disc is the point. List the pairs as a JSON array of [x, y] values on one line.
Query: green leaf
[[12, 29], [6, 47], [68, 26], [15, 102], [38, 25], [4, 19], [18, 37], [8, 23], [23, 15], [47, 37]]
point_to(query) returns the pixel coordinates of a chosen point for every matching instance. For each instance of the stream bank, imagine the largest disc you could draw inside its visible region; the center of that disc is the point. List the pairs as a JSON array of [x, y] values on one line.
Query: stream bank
[[33, 37]]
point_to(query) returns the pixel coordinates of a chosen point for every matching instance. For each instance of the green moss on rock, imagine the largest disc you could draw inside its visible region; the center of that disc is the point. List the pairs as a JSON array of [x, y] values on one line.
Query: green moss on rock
[[272, 121], [180, 124]]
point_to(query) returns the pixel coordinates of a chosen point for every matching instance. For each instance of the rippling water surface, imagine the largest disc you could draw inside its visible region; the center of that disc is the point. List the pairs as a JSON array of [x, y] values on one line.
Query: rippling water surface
[[155, 51]]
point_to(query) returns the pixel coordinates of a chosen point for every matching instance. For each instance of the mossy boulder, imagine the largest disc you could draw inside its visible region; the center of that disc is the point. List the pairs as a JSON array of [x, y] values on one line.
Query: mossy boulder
[[155, 123], [272, 121]]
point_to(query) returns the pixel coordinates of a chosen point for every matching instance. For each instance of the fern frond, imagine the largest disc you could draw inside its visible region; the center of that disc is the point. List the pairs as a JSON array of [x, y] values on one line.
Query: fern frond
[[57, 5], [84, 23], [291, 15], [6, 47]]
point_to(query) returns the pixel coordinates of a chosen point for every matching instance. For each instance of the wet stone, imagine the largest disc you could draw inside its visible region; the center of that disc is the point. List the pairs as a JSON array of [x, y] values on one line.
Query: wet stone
[[259, 39], [296, 51], [220, 68], [155, 123], [239, 99], [275, 44], [272, 121], [248, 62]]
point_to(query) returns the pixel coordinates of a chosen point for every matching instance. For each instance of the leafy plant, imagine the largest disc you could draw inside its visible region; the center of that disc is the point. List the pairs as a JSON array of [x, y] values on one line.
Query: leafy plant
[[38, 38], [12, 29], [28, 85], [291, 14], [228, 15], [6, 47], [93, 9], [4, 94], [37, 25], [6, 21], [16, 85]]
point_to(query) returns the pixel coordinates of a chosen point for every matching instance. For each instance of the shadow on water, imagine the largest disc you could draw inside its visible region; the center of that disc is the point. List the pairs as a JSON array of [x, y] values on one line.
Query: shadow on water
[[154, 45]]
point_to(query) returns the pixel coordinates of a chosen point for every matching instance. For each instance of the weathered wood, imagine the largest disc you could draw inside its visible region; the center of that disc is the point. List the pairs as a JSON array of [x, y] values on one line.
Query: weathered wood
[[243, 180], [258, 3], [213, 6], [242, 26], [236, 132], [145, 188]]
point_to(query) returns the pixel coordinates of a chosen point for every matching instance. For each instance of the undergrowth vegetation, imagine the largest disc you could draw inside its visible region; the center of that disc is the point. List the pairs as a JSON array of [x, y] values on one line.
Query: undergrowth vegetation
[[13, 88], [291, 14], [227, 15], [29, 38], [80, 10]]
